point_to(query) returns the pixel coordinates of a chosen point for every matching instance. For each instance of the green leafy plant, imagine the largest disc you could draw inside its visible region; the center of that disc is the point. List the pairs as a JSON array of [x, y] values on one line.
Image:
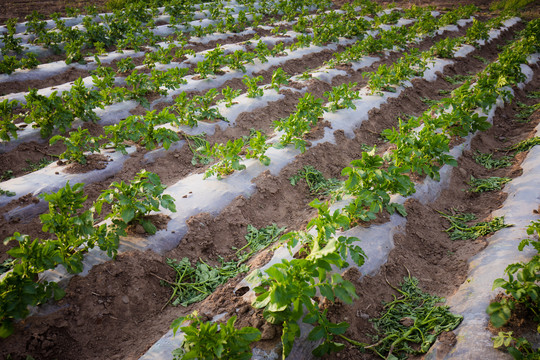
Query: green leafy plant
[[522, 285], [459, 230], [211, 63], [131, 202], [47, 113], [446, 47], [18, 290], [371, 186], [10, 42], [8, 129], [318, 185], [533, 95], [78, 142], [458, 79], [74, 228], [421, 151], [289, 289], [203, 110], [279, 77], [253, 90], [429, 102], [257, 146], [196, 142], [207, 340], [6, 175], [143, 130], [520, 349], [74, 233], [341, 97], [82, 101], [229, 94], [489, 184], [7, 193], [125, 65], [7, 265], [307, 114], [477, 31], [482, 59], [228, 155]]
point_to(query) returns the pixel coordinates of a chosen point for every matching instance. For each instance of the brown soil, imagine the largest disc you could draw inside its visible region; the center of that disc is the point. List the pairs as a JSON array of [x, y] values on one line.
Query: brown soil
[[116, 311], [21, 8]]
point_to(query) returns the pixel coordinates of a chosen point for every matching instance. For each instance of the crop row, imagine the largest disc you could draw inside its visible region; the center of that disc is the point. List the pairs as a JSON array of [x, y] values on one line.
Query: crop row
[[74, 232], [65, 250], [288, 290], [190, 111], [122, 29], [80, 101]]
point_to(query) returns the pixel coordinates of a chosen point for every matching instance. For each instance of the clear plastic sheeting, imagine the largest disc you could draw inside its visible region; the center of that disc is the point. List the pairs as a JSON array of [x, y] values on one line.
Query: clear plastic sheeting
[[53, 177]]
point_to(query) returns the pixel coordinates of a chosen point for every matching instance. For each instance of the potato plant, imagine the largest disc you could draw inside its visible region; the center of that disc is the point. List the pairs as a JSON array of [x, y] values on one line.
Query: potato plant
[[130, 203]]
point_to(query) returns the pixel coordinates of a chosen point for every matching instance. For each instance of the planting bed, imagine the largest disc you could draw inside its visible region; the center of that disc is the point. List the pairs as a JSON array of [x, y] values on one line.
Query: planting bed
[[317, 89]]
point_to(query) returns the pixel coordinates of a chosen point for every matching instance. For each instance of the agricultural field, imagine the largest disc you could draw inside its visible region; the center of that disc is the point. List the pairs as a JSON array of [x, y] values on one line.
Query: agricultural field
[[269, 179]]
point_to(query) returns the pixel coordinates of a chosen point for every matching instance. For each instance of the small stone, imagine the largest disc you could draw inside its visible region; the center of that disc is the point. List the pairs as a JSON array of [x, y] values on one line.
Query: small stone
[[56, 173], [125, 299], [463, 172], [407, 321], [268, 332], [139, 229]]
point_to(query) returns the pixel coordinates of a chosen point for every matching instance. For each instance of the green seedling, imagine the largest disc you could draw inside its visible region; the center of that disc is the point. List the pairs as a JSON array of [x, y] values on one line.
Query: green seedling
[[196, 142], [430, 102], [342, 97], [279, 77], [253, 90], [522, 286], [207, 340], [230, 94], [78, 142], [519, 348], [482, 59], [8, 129], [130, 203]]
